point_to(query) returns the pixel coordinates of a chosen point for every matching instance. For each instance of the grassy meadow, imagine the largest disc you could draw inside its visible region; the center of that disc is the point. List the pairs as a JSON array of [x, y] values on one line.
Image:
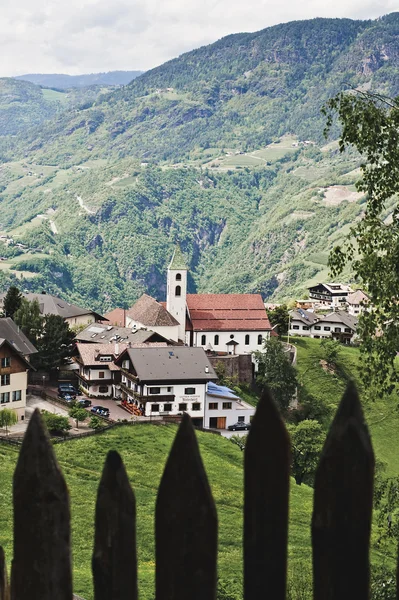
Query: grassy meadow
[[145, 448]]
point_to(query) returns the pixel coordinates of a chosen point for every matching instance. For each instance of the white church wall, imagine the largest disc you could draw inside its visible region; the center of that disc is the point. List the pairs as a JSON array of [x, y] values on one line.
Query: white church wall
[[227, 336]]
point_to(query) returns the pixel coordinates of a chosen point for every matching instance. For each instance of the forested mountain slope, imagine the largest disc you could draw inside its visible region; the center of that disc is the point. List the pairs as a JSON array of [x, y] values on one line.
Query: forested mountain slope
[[220, 149]]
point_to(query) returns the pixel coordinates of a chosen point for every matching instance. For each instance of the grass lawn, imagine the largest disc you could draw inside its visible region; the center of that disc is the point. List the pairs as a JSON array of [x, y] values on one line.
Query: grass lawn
[[144, 449]]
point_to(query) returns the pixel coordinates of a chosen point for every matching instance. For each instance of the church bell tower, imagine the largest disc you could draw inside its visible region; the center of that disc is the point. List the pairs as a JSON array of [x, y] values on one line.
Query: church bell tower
[[176, 294]]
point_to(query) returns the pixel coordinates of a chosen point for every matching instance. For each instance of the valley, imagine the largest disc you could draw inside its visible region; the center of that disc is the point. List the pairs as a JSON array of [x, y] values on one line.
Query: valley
[[225, 156]]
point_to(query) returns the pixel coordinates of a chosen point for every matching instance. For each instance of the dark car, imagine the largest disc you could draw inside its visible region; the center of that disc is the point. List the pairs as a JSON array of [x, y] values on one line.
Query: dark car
[[240, 426], [84, 403], [67, 389], [100, 410]]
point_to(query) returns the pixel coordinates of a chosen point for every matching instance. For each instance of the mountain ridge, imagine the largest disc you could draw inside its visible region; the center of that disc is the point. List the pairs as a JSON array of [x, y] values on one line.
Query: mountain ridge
[[64, 81], [221, 149]]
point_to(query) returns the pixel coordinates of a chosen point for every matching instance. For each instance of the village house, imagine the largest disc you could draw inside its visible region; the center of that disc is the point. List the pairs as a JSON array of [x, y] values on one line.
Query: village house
[[165, 381], [15, 350], [357, 302], [224, 408], [52, 305], [338, 325], [330, 295], [98, 374]]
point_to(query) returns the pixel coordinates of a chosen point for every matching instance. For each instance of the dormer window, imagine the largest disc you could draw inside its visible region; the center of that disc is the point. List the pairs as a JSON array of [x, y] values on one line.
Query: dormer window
[[105, 358], [178, 277], [178, 290]]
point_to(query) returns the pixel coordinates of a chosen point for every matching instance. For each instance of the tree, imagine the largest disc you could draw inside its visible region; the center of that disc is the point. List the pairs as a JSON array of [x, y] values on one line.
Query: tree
[[56, 424], [239, 440], [330, 350], [54, 345], [29, 319], [12, 301], [370, 124], [306, 444], [276, 371], [8, 418], [96, 423], [79, 414], [279, 316]]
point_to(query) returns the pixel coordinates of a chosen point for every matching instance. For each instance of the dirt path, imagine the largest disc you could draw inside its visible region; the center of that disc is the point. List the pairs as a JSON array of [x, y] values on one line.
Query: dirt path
[[83, 205]]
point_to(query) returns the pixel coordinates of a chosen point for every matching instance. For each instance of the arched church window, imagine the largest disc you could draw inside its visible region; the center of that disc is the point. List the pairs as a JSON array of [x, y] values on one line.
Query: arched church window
[[247, 339], [260, 339], [178, 277], [203, 340], [178, 290], [216, 342]]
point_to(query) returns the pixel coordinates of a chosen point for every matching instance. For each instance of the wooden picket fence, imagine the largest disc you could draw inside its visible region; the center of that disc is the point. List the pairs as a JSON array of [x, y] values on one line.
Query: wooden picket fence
[[186, 519]]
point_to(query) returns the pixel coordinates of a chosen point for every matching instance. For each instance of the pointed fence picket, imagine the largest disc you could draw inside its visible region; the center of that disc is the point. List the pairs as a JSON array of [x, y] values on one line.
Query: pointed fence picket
[[186, 520]]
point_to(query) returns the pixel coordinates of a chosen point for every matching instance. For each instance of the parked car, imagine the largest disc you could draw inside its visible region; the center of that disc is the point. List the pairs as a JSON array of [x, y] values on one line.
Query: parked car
[[66, 396], [67, 388], [240, 426], [84, 403], [100, 410]]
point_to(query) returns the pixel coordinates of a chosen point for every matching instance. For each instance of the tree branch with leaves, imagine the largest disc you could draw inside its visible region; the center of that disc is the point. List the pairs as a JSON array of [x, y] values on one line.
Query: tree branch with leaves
[[370, 124]]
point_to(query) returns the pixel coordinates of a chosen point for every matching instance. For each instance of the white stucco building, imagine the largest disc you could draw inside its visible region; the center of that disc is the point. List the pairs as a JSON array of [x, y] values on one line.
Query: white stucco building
[[166, 381], [224, 408]]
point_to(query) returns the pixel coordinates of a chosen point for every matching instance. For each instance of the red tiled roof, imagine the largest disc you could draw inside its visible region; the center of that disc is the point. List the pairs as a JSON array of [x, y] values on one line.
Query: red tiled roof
[[227, 312], [116, 317]]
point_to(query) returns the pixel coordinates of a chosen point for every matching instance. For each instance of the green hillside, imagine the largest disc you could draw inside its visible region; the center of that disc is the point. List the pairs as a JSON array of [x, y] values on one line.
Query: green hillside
[[220, 149], [144, 449]]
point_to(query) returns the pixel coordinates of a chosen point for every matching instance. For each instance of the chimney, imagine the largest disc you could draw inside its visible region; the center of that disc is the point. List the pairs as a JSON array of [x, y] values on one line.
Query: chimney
[[116, 349], [206, 369], [129, 344]]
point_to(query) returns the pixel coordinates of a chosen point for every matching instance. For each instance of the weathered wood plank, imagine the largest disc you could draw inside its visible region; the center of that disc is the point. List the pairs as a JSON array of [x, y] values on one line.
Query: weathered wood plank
[[185, 525], [41, 567], [114, 557], [343, 501], [266, 496], [4, 589]]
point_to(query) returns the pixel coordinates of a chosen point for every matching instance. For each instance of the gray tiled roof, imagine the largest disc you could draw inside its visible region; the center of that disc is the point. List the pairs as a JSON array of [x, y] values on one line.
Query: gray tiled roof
[[51, 305], [12, 333], [98, 333], [171, 364]]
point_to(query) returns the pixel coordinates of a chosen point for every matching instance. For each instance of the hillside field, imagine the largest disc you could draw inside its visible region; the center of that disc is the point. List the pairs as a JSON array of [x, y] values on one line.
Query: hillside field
[[145, 448]]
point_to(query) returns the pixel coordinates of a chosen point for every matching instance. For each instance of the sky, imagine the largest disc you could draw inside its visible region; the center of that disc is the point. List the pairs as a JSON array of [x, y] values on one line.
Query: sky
[[88, 36]]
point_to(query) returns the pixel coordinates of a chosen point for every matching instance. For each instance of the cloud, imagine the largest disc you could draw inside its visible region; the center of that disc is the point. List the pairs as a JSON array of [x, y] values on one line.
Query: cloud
[[81, 36]]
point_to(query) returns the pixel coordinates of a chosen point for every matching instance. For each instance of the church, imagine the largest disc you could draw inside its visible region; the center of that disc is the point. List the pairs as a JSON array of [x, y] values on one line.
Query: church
[[220, 323]]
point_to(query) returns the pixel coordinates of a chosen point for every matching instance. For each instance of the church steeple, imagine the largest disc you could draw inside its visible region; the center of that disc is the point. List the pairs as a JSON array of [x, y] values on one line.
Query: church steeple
[[177, 290]]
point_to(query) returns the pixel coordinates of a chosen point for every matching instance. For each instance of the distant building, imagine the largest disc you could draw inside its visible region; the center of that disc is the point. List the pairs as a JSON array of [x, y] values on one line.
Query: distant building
[[357, 302], [166, 381], [338, 325], [330, 295], [52, 305]]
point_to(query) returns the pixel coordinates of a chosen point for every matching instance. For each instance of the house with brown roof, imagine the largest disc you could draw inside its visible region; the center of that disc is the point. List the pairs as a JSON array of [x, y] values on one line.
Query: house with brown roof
[[147, 313], [357, 302], [98, 374]]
